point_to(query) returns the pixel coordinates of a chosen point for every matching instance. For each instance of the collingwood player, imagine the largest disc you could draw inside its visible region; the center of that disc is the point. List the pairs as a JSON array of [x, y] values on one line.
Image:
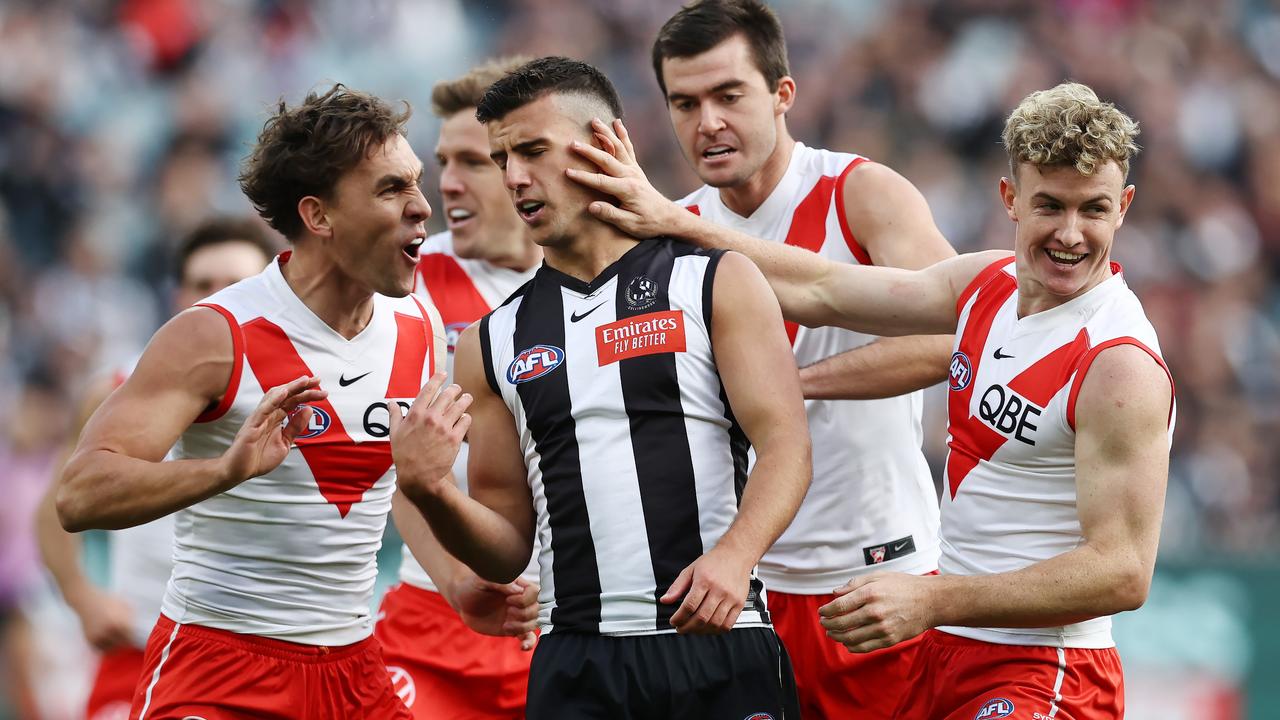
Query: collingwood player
[[614, 395]]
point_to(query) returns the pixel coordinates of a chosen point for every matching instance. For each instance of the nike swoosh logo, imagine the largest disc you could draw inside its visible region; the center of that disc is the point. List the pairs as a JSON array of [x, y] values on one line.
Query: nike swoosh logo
[[998, 356], [575, 317], [897, 547], [345, 382]]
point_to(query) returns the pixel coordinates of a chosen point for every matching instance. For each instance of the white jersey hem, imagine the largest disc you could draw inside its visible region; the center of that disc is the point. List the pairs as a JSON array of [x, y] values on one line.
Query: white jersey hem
[[824, 583], [1035, 637]]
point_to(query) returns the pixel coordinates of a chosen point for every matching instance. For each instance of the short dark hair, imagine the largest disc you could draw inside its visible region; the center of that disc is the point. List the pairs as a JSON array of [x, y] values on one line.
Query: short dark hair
[[219, 230], [303, 150], [449, 97], [545, 75], [703, 24]]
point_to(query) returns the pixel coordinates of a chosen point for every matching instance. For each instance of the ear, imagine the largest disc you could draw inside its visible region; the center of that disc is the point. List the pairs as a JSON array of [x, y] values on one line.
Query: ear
[[315, 216], [1126, 198], [1009, 193], [786, 95]]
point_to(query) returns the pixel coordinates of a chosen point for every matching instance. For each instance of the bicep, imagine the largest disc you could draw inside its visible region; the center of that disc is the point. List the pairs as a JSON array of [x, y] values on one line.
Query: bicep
[[183, 371], [1122, 449], [496, 475], [753, 356]]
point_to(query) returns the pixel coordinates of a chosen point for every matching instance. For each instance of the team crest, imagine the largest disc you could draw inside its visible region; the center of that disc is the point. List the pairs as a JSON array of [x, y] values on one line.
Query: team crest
[[961, 372], [402, 683], [759, 716], [642, 293], [451, 333], [996, 708], [533, 363], [320, 421], [877, 554]]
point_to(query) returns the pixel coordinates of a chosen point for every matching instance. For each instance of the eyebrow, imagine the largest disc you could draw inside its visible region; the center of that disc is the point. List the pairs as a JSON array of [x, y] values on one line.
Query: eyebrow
[[518, 147], [1095, 199], [400, 180], [722, 87]]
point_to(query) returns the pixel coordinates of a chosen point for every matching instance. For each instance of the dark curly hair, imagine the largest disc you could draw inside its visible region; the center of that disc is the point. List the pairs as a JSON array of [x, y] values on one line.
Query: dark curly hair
[[304, 150], [536, 78]]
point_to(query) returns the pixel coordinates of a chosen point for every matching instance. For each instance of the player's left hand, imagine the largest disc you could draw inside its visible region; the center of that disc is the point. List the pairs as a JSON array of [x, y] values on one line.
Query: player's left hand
[[878, 611], [642, 211], [509, 609], [714, 588]]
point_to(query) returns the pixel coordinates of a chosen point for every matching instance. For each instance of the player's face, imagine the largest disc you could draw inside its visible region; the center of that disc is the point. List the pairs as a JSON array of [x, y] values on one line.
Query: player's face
[[377, 218], [725, 118], [532, 147], [476, 205], [1066, 223], [214, 267]]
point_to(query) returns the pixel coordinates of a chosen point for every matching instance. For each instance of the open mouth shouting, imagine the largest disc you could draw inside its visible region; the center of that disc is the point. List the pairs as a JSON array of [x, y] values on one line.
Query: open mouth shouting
[[1063, 258], [411, 248], [530, 210]]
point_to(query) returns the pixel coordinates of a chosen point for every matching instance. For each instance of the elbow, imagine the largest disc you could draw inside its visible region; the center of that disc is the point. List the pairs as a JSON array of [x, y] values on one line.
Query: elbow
[[1130, 590], [70, 509]]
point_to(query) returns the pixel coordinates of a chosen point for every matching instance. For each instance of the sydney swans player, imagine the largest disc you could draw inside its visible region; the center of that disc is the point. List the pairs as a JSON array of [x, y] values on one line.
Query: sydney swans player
[[1060, 409]]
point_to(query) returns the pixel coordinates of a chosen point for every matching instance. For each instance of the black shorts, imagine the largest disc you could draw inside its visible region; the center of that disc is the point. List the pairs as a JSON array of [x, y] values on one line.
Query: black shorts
[[742, 674]]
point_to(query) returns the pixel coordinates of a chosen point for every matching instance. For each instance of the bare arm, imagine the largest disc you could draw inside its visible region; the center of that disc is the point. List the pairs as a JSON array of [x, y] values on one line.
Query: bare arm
[[117, 477], [811, 290], [1122, 460], [757, 368], [883, 368], [105, 619], [492, 530]]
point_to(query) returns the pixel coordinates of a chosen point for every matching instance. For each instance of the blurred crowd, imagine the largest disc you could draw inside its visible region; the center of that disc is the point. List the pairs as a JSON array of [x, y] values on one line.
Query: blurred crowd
[[122, 124]]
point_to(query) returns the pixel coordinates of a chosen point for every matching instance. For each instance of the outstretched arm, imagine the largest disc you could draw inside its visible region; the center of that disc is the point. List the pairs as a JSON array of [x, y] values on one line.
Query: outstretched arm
[[1122, 460], [492, 530], [811, 290], [757, 368], [117, 476]]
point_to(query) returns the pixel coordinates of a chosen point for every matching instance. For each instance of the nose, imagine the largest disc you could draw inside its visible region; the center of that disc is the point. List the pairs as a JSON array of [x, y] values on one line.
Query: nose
[[417, 209], [709, 120], [515, 176], [450, 181], [1070, 233]]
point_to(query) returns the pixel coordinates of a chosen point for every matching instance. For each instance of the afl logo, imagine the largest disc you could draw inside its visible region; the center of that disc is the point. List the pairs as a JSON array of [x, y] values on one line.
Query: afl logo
[[319, 422], [759, 716], [533, 363], [961, 373], [997, 708]]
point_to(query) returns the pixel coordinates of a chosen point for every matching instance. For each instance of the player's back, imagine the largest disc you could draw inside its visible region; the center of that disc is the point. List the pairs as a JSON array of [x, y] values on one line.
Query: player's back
[[291, 554]]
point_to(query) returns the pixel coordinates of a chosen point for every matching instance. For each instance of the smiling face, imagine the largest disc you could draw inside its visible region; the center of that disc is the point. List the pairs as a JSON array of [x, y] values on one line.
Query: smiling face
[[476, 206], [376, 219], [726, 119], [531, 145], [1066, 224]]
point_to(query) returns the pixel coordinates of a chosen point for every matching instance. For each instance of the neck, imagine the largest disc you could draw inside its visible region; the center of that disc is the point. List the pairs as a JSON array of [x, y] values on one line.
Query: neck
[[746, 197], [588, 253], [328, 293], [519, 255], [1034, 298]]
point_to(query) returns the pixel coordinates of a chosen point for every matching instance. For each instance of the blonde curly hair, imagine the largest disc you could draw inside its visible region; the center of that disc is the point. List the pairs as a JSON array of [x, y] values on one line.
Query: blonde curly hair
[[1069, 125]]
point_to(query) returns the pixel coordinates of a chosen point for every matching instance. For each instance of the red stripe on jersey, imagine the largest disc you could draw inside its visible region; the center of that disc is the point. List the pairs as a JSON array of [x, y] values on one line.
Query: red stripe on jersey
[[430, 334], [809, 226], [970, 439], [452, 291], [237, 366], [854, 246], [979, 280], [694, 209], [343, 469], [412, 340], [1085, 362]]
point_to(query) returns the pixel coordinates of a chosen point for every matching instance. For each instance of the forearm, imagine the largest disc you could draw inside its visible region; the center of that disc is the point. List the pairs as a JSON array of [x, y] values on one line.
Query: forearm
[[777, 485], [61, 554], [1078, 585], [887, 367], [108, 490], [475, 534], [444, 569]]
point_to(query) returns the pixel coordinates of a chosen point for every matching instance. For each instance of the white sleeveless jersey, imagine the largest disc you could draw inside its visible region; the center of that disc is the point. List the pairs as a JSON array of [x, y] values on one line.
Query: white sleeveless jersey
[[140, 559], [871, 505], [291, 554], [1009, 497], [462, 290]]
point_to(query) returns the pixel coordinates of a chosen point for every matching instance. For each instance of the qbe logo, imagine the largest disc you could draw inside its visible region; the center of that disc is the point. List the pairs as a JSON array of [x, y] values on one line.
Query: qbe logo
[[533, 363], [961, 372], [319, 422], [997, 708]]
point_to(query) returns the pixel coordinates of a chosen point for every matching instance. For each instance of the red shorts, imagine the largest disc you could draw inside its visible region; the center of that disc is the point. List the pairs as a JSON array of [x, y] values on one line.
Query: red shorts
[[963, 679], [831, 681], [112, 693], [444, 669], [218, 675]]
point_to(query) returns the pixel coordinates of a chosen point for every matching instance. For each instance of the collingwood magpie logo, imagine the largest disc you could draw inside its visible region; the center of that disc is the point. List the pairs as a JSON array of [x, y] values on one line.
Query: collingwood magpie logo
[[642, 293]]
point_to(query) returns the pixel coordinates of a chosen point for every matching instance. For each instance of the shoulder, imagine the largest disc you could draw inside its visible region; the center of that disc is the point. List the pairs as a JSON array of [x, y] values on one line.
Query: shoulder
[[695, 198], [1125, 386]]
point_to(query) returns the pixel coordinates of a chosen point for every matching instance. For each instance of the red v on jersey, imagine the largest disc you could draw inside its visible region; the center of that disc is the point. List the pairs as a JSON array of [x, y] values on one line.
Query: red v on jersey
[[343, 468], [452, 291], [809, 226]]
